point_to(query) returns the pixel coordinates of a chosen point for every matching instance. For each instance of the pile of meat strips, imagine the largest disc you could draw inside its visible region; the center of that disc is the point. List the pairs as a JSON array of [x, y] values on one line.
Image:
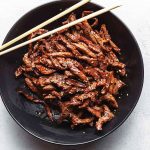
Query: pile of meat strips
[[75, 72]]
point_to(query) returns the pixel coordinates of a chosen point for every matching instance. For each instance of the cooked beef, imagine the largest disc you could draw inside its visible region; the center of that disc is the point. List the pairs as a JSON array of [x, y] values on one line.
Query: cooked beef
[[107, 116], [76, 72]]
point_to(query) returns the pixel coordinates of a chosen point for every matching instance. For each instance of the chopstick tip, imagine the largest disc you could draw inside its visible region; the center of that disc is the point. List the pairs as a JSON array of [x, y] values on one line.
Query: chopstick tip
[[119, 5], [116, 6]]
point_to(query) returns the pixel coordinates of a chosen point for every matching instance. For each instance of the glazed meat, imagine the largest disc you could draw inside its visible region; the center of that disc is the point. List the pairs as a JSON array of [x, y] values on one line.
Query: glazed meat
[[76, 72]]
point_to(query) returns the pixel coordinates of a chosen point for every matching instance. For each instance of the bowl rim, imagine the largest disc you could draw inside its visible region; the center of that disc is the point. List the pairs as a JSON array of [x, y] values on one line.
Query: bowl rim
[[125, 118]]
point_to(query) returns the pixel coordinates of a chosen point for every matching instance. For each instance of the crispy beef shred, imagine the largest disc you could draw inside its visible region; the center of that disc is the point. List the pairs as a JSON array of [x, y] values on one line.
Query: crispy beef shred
[[76, 71]]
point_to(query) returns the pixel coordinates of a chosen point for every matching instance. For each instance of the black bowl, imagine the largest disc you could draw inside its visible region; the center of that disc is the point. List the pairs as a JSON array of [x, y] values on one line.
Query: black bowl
[[23, 112]]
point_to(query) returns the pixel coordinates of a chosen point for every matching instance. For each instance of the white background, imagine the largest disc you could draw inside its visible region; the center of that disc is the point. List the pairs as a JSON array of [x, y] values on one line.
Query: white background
[[134, 134]]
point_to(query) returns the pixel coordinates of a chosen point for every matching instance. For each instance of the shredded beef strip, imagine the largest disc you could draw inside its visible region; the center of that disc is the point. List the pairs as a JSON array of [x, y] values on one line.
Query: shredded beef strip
[[107, 116]]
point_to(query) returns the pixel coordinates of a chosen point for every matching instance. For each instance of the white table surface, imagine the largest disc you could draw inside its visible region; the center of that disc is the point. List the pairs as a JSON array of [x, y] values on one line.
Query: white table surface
[[134, 134]]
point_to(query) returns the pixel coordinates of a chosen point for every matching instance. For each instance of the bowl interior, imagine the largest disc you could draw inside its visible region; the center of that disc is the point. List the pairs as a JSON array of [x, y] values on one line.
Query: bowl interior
[[24, 112]]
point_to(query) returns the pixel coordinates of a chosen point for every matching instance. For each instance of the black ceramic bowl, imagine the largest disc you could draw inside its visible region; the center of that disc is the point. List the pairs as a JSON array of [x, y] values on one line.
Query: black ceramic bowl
[[23, 112]]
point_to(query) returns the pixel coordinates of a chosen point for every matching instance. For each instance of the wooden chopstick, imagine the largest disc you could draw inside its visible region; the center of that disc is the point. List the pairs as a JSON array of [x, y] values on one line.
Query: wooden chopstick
[[44, 23], [60, 28]]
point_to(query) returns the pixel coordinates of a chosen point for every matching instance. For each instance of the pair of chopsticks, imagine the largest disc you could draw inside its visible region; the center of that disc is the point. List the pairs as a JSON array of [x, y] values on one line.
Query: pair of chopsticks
[[55, 30]]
